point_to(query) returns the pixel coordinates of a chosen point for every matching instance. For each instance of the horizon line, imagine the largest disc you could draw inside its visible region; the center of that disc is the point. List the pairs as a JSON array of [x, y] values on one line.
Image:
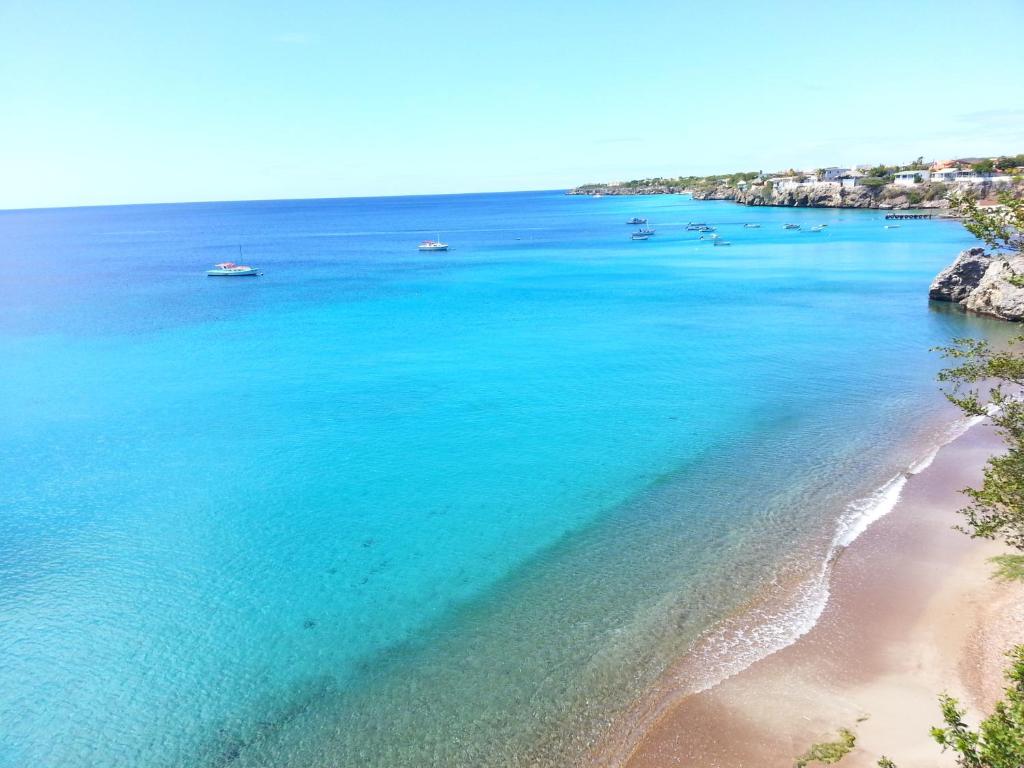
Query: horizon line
[[275, 199]]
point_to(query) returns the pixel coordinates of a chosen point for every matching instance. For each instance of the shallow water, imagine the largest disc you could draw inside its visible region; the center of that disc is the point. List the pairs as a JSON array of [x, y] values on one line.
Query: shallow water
[[380, 507]]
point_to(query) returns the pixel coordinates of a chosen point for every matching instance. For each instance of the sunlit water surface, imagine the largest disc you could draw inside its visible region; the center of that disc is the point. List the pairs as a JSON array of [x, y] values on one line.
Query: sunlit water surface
[[387, 508]]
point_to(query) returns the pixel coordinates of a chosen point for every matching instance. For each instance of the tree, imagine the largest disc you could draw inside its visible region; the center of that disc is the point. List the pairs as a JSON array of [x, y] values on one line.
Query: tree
[[996, 510], [999, 741], [983, 166], [998, 227]]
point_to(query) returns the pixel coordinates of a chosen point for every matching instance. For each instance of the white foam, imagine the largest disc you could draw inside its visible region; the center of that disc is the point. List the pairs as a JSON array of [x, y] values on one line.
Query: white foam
[[735, 644]]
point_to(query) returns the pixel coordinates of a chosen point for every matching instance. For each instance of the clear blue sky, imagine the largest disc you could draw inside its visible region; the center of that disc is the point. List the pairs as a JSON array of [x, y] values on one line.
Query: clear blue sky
[[107, 102]]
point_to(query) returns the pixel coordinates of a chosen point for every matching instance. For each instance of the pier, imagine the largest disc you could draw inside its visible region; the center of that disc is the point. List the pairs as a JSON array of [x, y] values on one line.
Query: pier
[[909, 215]]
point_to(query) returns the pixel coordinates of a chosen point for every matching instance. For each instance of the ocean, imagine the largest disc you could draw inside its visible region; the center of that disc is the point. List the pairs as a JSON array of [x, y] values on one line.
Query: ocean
[[380, 507]]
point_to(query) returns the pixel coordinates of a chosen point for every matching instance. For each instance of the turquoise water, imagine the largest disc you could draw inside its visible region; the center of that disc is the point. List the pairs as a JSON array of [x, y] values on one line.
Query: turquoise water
[[385, 508]]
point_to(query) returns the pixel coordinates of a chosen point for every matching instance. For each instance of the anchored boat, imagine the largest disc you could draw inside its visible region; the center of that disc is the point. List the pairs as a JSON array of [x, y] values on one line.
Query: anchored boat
[[230, 269], [433, 245]]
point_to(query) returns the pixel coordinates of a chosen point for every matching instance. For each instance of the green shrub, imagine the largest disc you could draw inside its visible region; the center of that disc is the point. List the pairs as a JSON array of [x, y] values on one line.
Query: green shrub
[[829, 752]]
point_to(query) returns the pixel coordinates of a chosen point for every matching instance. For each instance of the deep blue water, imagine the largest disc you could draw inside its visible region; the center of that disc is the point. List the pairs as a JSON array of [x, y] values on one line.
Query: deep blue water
[[385, 508]]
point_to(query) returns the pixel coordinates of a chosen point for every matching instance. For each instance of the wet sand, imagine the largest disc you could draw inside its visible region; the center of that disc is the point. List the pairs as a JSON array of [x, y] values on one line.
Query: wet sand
[[913, 612]]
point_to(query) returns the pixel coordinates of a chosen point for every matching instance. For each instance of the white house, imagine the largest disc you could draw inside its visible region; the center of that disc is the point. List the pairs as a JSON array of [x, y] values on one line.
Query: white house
[[851, 178], [910, 178], [784, 182], [945, 175], [832, 173], [958, 176]]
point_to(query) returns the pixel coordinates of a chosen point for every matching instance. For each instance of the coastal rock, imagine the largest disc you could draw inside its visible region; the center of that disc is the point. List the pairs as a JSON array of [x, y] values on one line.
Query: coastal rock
[[956, 281], [822, 195], [989, 284], [996, 295]]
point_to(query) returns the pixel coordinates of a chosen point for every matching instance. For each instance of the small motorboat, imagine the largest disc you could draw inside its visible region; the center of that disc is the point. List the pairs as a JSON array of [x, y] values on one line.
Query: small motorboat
[[791, 226], [819, 228], [721, 242], [752, 226], [695, 226], [230, 269], [648, 231], [636, 220], [432, 245], [638, 236], [892, 226]]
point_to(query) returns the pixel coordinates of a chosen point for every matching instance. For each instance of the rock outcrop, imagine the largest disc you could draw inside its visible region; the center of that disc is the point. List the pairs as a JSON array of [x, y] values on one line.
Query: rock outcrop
[[827, 195], [989, 284]]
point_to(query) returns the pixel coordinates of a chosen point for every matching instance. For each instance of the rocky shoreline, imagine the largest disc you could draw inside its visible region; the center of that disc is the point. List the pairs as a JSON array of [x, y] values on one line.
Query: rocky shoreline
[[987, 283], [808, 195], [831, 195]]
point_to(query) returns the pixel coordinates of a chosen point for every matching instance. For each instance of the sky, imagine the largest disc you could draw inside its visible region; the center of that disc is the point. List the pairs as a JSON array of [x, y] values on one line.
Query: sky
[[134, 102]]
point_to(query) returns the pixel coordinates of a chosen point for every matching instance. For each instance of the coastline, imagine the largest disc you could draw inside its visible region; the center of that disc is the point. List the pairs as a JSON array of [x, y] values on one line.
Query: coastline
[[912, 612]]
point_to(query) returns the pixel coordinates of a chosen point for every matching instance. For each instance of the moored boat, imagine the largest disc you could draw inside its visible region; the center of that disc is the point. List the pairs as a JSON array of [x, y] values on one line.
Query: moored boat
[[638, 236], [637, 220], [791, 226], [230, 269], [752, 226], [432, 245]]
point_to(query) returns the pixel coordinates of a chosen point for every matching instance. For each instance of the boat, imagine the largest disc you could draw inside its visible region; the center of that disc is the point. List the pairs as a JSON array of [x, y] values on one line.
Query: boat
[[791, 226], [752, 226], [819, 228], [638, 236], [695, 226], [230, 269], [705, 228], [432, 245], [645, 231], [721, 242], [892, 226], [637, 220]]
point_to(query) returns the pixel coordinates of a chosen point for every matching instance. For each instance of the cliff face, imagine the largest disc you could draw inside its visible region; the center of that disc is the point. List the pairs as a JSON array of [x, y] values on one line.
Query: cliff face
[[990, 284], [809, 196], [821, 196]]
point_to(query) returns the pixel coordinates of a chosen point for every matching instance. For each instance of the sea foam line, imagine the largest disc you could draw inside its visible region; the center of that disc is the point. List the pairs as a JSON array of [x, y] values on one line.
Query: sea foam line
[[735, 644]]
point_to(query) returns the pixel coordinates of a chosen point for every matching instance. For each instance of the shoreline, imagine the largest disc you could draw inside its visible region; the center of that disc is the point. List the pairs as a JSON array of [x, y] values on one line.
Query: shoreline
[[891, 591]]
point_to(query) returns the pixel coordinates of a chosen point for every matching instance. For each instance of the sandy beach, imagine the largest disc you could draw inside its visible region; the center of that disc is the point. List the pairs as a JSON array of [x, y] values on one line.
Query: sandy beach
[[913, 612]]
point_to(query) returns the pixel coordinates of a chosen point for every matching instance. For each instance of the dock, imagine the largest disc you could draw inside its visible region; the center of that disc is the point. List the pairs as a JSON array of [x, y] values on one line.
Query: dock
[[909, 215]]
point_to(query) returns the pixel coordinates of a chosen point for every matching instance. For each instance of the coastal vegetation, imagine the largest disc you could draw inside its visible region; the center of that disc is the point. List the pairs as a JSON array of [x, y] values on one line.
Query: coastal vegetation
[[1000, 226], [987, 382], [829, 752], [983, 381], [998, 742], [1008, 567]]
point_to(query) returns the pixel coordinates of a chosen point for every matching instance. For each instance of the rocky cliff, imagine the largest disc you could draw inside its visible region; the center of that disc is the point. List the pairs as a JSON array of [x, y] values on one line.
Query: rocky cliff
[[987, 283], [829, 195]]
